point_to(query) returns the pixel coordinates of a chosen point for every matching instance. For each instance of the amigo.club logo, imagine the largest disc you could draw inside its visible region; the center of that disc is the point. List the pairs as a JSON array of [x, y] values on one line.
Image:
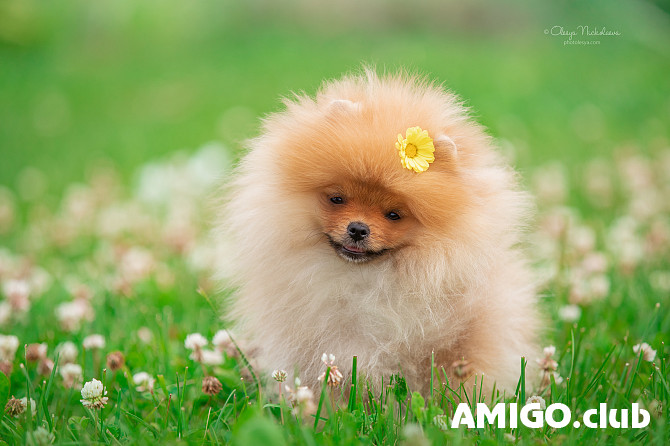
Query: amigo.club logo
[[555, 415]]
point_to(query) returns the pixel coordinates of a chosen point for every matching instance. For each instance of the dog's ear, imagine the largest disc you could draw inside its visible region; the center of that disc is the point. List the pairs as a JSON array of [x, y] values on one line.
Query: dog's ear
[[447, 144], [342, 105]]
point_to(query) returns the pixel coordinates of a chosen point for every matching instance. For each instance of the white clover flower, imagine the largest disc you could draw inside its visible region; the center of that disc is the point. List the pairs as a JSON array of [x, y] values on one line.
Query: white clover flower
[[94, 341], [537, 399], [599, 285], [550, 183], [136, 264], [71, 314], [8, 346], [221, 340], [41, 436], [558, 379], [648, 353], [335, 376], [594, 263], [36, 352], [17, 293], [39, 281], [582, 239], [441, 422], [93, 395], [659, 280], [545, 378], [71, 374], [5, 312], [279, 375], [195, 341], [549, 351], [145, 335], [570, 313], [24, 403], [67, 352], [208, 357], [304, 396], [144, 382]]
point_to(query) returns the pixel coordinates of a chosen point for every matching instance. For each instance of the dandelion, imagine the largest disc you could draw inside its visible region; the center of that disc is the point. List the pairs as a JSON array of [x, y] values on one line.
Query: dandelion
[[71, 374], [67, 352], [211, 385], [115, 360], [143, 382], [648, 353], [570, 313], [335, 376], [536, 399], [94, 341], [36, 352], [93, 395], [8, 346]]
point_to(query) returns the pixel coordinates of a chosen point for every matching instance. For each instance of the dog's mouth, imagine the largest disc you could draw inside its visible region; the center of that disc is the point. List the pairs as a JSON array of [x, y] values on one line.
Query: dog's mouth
[[353, 252]]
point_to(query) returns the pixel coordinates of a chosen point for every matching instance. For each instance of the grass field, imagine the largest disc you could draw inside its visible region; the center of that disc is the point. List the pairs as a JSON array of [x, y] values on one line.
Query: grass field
[[118, 120]]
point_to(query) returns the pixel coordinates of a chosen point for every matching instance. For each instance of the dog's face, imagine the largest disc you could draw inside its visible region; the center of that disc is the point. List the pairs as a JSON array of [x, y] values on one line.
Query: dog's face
[[364, 222], [342, 174]]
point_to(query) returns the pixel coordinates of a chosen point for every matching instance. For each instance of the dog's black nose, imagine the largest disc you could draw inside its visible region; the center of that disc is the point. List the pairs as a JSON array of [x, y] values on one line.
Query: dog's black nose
[[358, 230]]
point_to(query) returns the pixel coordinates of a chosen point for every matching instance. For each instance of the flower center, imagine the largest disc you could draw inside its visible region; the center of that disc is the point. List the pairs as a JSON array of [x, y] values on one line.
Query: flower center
[[410, 150]]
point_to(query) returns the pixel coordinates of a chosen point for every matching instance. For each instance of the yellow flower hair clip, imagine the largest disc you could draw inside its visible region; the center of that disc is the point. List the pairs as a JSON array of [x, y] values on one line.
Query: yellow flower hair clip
[[416, 149]]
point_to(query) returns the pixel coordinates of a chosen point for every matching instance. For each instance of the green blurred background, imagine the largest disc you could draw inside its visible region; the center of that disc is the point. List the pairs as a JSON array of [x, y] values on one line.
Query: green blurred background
[[127, 81]]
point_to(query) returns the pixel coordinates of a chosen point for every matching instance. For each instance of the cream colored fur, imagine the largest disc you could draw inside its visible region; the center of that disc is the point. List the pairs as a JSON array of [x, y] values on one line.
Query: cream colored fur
[[462, 291]]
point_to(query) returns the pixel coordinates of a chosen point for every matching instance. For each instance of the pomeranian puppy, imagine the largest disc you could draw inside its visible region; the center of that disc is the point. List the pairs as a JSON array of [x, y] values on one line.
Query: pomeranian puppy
[[376, 220]]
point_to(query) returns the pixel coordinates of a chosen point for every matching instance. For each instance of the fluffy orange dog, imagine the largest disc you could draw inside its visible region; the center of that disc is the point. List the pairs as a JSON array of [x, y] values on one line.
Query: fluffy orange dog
[[377, 220]]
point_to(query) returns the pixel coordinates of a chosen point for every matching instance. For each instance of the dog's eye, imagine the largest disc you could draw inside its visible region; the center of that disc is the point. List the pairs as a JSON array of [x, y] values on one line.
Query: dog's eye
[[393, 216], [337, 200]]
